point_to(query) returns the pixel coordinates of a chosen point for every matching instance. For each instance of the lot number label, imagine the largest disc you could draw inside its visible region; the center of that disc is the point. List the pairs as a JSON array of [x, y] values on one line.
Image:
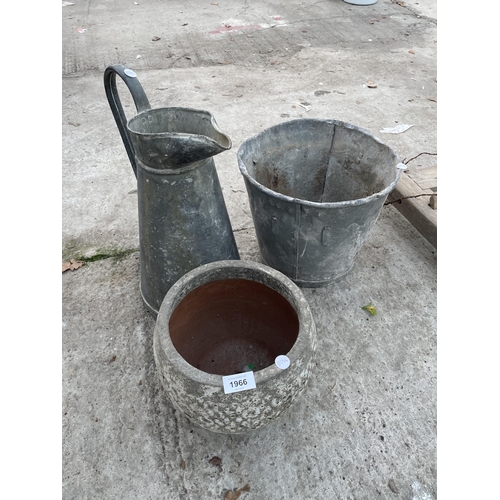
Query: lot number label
[[238, 382]]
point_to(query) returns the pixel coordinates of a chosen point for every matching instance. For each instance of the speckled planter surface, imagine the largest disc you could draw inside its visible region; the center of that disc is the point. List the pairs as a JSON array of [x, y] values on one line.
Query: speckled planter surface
[[221, 318]]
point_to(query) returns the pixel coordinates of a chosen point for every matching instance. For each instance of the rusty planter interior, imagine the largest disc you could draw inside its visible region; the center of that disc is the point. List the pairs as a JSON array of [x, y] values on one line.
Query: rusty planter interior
[[231, 326]]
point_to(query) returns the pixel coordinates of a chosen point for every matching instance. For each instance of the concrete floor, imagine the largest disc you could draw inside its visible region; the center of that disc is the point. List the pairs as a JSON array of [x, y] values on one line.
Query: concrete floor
[[366, 425]]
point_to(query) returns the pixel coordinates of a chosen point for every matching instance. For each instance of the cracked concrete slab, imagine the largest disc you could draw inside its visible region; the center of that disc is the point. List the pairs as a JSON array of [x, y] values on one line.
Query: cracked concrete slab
[[367, 416], [366, 425]]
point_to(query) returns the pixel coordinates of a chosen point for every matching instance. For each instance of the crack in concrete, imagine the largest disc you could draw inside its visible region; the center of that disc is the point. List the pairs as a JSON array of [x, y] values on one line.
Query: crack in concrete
[[413, 12], [154, 409], [245, 8], [179, 447]]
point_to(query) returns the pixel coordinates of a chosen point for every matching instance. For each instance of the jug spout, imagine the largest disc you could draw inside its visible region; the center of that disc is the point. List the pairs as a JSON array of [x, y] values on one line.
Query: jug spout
[[168, 138], [164, 138]]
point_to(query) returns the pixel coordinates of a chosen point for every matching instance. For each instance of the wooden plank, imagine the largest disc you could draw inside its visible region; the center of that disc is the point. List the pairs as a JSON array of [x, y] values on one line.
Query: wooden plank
[[426, 178], [416, 210], [427, 184]]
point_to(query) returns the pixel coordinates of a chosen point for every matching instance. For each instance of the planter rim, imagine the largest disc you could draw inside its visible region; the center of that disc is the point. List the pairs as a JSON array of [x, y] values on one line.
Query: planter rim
[[222, 270]]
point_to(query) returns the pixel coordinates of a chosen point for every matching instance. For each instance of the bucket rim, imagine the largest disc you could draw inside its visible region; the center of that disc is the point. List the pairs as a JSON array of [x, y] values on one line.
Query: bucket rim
[[333, 204]]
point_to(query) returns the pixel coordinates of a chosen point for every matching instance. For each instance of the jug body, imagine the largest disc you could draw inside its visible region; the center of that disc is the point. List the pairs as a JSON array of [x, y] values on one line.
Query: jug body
[[183, 224], [183, 220]]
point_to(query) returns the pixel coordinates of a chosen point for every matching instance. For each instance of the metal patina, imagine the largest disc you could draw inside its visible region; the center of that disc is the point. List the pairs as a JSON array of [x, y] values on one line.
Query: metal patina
[[183, 221], [316, 189]]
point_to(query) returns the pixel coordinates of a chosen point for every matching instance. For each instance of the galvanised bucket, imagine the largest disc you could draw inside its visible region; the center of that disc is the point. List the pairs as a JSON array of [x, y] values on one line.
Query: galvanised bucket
[[183, 221], [316, 188]]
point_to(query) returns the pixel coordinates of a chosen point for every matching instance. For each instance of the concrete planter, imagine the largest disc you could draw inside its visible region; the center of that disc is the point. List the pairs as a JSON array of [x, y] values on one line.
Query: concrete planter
[[232, 317]]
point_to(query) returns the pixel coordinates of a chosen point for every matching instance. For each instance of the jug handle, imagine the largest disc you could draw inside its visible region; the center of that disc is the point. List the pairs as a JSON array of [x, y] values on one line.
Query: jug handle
[[140, 100]]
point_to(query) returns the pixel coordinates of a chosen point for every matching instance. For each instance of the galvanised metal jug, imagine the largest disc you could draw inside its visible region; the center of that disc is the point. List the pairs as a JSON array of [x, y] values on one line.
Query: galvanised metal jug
[[183, 221]]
